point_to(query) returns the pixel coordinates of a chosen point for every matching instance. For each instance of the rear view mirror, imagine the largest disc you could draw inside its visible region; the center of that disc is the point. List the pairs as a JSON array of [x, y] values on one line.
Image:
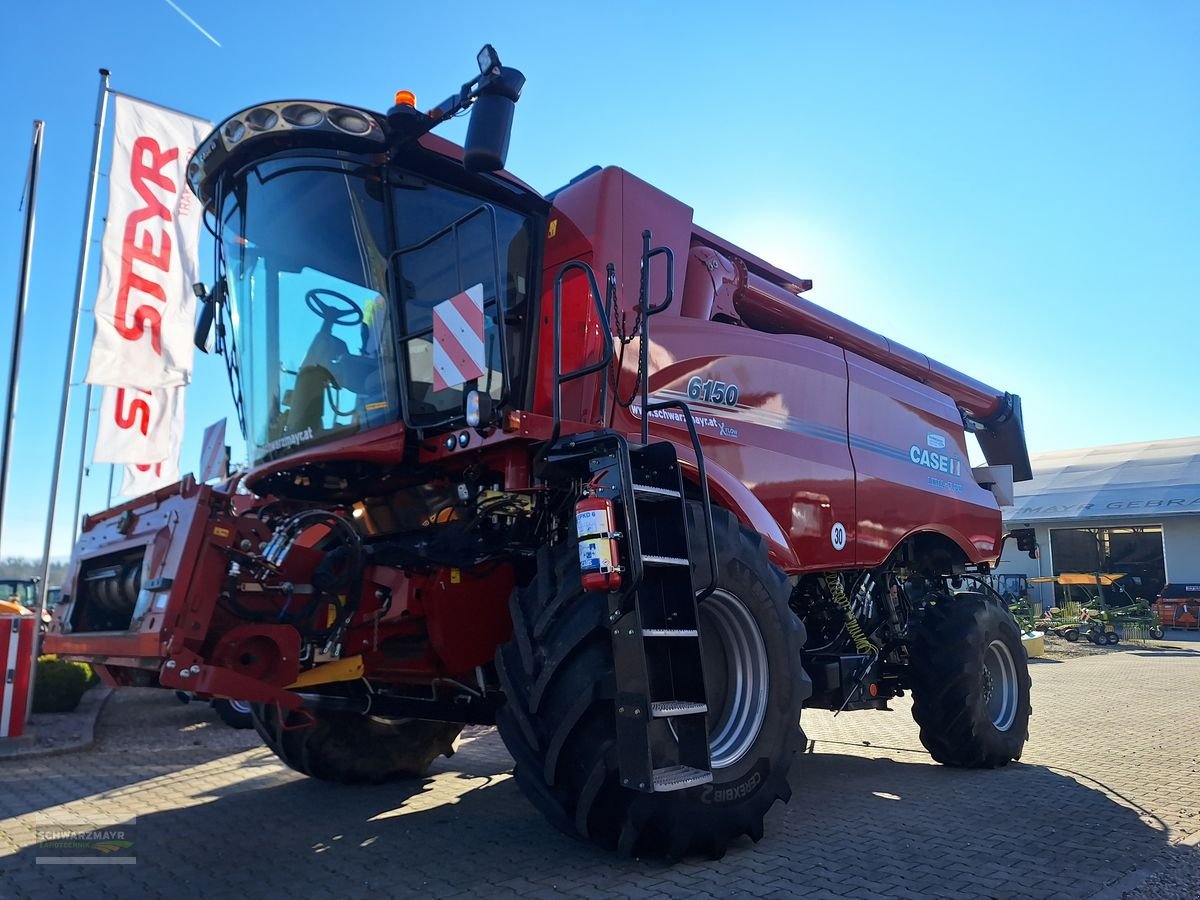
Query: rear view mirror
[[486, 147], [1026, 541], [209, 302]]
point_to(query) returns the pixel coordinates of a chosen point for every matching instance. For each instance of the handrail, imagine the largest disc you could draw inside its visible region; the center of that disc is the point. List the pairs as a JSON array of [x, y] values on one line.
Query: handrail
[[560, 377], [709, 536], [645, 310]]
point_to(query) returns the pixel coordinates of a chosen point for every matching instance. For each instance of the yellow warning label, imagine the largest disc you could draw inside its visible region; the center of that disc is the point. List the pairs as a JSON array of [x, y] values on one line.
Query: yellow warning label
[[553, 230], [455, 576], [218, 531], [371, 407]]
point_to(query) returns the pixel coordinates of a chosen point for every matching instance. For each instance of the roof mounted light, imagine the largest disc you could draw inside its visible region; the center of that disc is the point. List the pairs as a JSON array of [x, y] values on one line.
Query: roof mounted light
[[324, 125], [349, 121], [262, 119], [302, 115]]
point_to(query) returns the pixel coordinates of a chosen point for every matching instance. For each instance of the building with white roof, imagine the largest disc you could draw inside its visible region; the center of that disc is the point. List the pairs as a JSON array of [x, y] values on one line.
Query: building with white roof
[[1124, 508]]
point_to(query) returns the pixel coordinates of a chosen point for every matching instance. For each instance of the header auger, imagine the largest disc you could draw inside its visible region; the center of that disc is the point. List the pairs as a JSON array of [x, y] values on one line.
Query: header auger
[[571, 465]]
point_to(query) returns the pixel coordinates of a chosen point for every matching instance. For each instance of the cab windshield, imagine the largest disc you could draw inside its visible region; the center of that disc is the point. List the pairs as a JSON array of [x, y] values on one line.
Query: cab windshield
[[23, 592], [336, 273]]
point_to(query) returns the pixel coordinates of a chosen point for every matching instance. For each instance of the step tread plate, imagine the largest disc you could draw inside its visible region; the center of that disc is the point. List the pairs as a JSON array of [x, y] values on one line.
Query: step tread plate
[[650, 560], [671, 632], [649, 490], [661, 709], [679, 778]]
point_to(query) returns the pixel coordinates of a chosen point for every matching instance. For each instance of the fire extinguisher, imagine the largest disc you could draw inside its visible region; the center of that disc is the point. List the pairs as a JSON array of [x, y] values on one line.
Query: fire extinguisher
[[599, 560]]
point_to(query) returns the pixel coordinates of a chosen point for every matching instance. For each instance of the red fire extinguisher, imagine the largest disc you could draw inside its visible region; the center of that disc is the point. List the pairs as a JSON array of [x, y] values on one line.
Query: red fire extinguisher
[[595, 526]]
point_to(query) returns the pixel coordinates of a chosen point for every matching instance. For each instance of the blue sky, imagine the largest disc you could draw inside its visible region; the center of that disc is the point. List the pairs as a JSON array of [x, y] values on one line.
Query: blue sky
[[1010, 188]]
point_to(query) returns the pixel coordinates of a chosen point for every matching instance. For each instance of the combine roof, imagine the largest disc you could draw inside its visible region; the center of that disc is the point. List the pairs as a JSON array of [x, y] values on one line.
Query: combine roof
[[1148, 480]]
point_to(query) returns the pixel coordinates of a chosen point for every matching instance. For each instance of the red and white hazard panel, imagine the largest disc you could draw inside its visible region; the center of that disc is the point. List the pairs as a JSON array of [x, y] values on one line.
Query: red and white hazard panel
[[16, 652], [458, 339]]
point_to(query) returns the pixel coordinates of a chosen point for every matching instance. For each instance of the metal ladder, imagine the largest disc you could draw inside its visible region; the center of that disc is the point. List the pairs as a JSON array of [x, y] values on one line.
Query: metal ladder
[[661, 714]]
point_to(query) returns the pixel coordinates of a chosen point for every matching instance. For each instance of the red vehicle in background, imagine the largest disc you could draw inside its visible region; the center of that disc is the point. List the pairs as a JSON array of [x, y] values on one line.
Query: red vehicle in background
[[1178, 606], [572, 465]]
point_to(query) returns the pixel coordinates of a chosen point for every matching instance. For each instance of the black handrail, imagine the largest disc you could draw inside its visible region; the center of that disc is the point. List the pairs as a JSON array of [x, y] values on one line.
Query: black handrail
[[645, 310], [710, 538], [560, 377]]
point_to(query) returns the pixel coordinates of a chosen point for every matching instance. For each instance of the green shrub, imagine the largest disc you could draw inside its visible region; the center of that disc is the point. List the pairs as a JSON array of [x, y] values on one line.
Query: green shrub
[[60, 684]]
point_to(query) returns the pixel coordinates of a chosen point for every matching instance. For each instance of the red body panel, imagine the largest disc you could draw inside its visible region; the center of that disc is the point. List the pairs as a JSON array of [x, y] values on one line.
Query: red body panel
[[827, 414]]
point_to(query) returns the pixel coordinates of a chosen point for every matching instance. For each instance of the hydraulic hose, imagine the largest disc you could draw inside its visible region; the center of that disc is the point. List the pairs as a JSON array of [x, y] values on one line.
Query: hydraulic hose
[[861, 642]]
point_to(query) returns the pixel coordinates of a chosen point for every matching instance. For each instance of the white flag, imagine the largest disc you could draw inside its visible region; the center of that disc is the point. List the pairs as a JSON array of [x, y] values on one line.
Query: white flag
[[145, 306], [213, 458], [142, 479], [135, 425]]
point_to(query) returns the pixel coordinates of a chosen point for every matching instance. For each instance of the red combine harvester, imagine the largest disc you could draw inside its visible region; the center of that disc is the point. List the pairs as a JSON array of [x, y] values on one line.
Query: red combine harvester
[[637, 519]]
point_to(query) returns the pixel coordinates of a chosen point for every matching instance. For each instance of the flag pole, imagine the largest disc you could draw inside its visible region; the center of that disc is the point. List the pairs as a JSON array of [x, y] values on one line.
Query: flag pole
[[87, 421], [80, 281], [35, 165]]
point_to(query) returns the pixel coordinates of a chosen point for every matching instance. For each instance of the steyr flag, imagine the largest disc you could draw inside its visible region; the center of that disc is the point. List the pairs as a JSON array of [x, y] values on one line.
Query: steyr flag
[[136, 425], [142, 479], [145, 306], [458, 353]]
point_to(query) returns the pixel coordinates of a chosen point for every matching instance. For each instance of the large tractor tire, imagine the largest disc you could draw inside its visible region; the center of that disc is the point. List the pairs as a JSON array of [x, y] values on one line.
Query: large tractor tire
[[559, 720], [351, 748], [970, 683]]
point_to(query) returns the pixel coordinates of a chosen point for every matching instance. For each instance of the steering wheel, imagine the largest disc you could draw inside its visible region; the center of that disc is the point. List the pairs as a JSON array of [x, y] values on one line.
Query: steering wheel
[[345, 312]]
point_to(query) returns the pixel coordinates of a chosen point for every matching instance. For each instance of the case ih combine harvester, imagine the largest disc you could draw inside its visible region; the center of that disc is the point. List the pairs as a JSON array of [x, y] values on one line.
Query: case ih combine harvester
[[568, 464]]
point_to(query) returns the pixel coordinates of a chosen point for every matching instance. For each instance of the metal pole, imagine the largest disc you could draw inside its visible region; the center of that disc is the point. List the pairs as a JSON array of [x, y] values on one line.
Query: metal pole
[[87, 420], [35, 164], [64, 405], [111, 471]]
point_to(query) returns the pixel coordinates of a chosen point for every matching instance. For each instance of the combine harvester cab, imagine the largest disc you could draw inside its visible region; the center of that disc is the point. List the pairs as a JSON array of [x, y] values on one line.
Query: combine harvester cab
[[571, 465]]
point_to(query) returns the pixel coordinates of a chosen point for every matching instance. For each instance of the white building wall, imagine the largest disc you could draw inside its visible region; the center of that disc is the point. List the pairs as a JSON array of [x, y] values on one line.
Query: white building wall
[[1016, 562], [1181, 548]]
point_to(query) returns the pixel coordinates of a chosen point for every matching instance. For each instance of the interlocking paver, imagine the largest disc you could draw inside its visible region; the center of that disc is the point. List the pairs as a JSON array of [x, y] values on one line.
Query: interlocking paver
[[1106, 785]]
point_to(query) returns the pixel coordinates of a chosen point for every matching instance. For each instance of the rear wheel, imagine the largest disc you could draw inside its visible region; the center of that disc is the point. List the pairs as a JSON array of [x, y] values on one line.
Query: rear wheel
[[352, 748], [234, 713], [970, 683], [559, 720]]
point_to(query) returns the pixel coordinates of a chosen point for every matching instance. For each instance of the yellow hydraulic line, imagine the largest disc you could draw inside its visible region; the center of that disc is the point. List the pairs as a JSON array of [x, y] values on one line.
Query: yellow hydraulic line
[[861, 642]]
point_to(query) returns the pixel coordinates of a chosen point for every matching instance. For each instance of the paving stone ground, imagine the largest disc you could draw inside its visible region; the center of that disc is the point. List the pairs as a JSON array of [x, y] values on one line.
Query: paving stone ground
[[1110, 785]]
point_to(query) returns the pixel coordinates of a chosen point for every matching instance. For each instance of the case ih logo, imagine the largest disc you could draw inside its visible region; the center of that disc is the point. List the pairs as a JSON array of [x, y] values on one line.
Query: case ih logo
[[936, 461], [935, 441]]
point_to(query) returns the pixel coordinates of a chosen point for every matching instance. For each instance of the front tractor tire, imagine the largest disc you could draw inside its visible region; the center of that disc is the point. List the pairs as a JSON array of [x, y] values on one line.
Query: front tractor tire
[[559, 720], [970, 683], [351, 748]]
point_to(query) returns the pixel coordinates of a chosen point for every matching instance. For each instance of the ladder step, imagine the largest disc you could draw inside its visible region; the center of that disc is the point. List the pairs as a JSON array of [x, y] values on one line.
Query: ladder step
[[664, 561], [663, 709], [670, 632], [678, 778], [651, 491]]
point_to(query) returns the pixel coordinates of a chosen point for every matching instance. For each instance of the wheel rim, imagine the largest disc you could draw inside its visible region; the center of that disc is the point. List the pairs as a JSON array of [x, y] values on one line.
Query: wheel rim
[[1000, 685], [240, 706], [736, 676]]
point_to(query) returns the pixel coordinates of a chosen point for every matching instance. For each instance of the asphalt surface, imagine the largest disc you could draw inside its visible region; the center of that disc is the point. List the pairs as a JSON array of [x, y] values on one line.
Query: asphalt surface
[[1104, 804]]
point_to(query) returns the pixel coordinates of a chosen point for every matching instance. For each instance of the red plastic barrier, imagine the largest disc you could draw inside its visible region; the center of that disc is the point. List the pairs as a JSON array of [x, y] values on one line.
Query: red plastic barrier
[[17, 635]]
